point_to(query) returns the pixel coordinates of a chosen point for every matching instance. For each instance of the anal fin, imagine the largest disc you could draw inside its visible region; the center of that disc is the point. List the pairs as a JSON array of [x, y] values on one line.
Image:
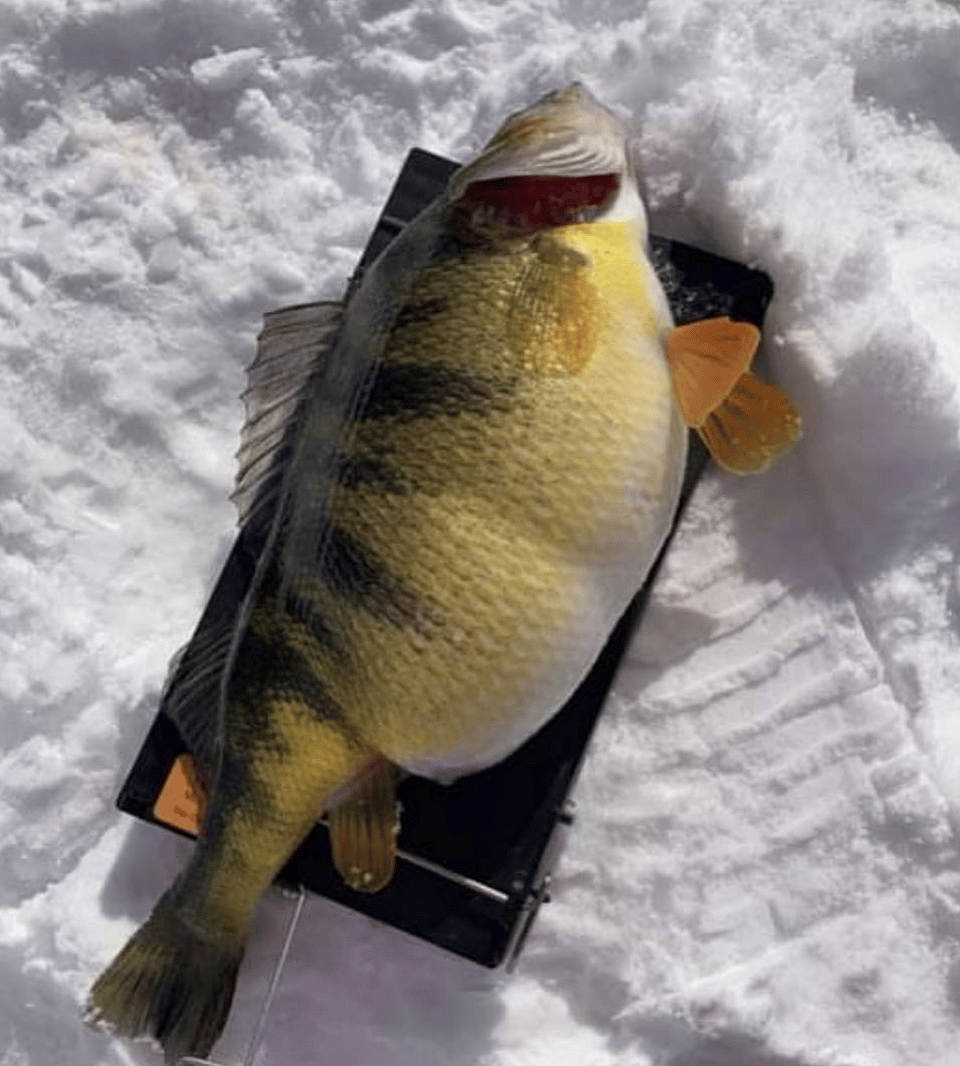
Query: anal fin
[[364, 827]]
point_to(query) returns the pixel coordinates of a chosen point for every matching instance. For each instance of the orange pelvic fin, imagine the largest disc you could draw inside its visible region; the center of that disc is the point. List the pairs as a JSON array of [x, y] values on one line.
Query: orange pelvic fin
[[364, 827], [706, 360], [751, 427]]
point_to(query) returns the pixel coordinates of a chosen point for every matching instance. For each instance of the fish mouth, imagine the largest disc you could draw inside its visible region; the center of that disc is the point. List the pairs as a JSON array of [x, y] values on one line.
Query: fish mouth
[[531, 202], [559, 161]]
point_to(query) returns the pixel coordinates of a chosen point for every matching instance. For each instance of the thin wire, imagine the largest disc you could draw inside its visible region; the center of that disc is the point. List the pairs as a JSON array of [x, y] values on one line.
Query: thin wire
[[275, 979], [257, 1037]]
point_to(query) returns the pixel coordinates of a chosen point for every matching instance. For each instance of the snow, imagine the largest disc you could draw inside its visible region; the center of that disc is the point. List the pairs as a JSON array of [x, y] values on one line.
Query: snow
[[764, 869]]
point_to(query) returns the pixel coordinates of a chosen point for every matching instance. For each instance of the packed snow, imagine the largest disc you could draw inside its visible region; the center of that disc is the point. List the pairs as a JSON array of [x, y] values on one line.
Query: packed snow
[[764, 870]]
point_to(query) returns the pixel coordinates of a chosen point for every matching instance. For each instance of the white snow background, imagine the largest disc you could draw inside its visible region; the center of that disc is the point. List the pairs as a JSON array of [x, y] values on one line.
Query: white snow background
[[765, 868]]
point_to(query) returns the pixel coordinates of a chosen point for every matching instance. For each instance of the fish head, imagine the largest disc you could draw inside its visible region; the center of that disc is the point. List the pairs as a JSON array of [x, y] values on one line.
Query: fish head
[[565, 159]]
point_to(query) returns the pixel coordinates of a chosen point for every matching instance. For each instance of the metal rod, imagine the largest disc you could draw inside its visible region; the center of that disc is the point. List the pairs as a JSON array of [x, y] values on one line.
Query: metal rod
[[524, 923], [452, 875], [393, 222]]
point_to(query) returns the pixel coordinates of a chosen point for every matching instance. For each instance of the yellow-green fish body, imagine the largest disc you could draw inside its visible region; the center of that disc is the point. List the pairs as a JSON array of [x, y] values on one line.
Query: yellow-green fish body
[[528, 517], [446, 516]]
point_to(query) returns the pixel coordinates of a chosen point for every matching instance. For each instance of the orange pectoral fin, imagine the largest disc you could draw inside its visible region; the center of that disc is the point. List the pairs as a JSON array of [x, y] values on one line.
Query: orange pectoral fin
[[706, 360], [363, 830], [751, 427]]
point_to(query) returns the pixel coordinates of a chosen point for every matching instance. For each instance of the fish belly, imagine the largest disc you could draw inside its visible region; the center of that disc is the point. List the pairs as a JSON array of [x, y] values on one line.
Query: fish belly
[[510, 482]]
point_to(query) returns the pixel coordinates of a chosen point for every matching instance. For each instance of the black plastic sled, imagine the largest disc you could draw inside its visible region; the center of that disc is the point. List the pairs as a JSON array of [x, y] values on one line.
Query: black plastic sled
[[475, 857]]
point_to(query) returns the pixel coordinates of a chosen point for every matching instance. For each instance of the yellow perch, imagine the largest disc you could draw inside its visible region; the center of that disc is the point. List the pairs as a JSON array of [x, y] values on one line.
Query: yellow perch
[[449, 491]]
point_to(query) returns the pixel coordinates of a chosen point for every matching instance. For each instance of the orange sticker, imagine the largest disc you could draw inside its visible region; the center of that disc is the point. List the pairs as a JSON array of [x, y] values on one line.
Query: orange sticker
[[182, 802]]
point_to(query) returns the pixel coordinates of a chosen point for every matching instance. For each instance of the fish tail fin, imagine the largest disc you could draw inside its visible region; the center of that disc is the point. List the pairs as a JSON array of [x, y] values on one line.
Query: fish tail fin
[[168, 983]]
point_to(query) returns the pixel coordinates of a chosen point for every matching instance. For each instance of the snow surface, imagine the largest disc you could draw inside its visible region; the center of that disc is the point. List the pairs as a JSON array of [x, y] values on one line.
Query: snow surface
[[764, 870]]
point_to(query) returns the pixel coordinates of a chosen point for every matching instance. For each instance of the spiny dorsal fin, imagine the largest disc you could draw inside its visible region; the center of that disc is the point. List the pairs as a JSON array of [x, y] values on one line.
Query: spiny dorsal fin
[[752, 426], [292, 346], [706, 360]]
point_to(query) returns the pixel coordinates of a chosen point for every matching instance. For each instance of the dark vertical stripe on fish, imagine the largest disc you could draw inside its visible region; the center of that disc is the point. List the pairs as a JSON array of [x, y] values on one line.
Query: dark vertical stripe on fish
[[354, 572], [409, 391], [267, 668], [374, 472], [414, 314]]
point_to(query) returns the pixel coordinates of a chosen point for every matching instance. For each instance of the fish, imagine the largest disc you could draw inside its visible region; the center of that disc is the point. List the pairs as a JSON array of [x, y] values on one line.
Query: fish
[[449, 489]]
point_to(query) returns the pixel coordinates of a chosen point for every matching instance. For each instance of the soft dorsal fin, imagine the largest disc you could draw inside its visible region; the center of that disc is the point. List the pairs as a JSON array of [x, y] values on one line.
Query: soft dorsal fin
[[292, 346], [752, 426], [191, 697], [706, 360]]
